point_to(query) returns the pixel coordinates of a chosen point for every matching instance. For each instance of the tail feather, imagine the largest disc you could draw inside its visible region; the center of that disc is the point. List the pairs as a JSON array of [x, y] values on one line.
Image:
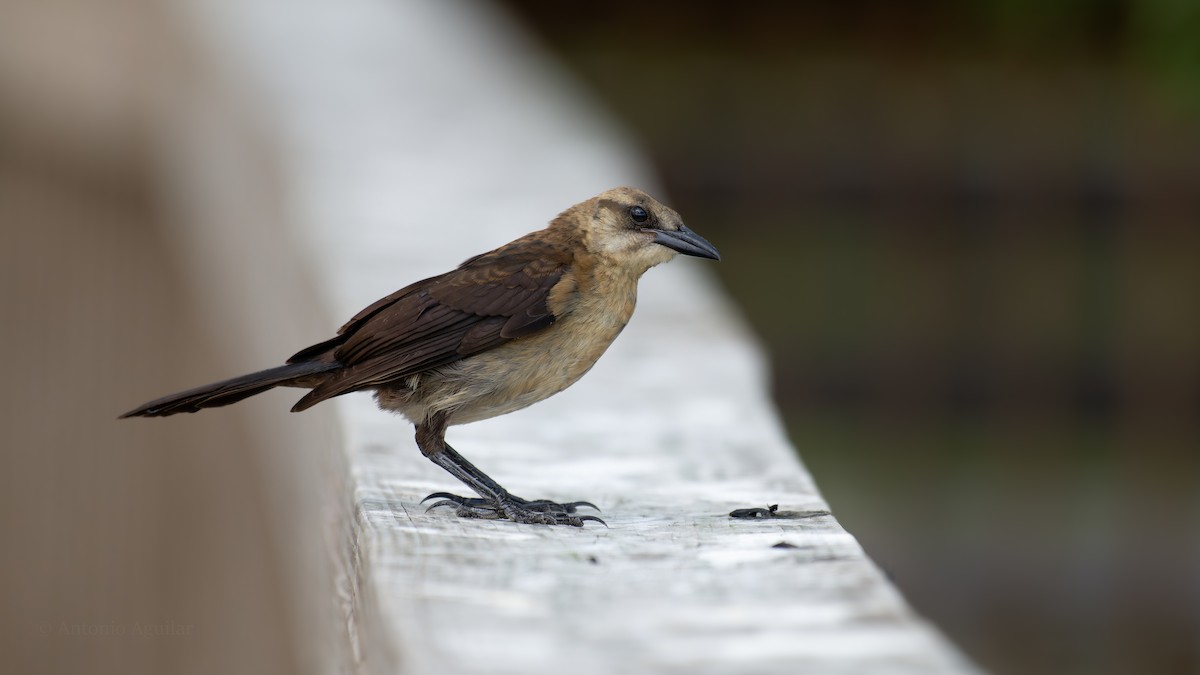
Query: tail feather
[[227, 391]]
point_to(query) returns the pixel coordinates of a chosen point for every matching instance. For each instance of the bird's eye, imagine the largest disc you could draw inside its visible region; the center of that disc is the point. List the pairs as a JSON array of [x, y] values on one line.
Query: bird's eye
[[638, 214]]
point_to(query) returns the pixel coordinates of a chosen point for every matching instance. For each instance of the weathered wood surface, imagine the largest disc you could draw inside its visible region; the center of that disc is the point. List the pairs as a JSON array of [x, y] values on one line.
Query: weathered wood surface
[[414, 134]]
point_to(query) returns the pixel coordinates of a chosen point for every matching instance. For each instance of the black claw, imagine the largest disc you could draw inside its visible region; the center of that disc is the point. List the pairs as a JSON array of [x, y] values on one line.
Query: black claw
[[547, 506], [442, 495]]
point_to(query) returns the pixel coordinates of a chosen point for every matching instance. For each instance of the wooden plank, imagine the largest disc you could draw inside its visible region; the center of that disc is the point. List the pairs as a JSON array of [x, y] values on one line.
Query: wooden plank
[[416, 134]]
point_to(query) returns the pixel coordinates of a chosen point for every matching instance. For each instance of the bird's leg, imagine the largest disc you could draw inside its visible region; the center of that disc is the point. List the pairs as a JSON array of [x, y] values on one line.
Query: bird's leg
[[494, 502]]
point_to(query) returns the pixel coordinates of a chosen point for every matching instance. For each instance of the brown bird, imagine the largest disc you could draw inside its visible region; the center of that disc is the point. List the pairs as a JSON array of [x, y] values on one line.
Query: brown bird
[[506, 329]]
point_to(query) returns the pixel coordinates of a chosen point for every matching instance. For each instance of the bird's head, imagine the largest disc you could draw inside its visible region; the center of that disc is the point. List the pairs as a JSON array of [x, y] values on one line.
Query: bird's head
[[630, 228]]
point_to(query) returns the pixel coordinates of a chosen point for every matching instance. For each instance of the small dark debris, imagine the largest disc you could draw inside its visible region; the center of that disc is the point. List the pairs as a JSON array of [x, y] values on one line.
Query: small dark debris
[[784, 544], [592, 559], [773, 511], [768, 512]]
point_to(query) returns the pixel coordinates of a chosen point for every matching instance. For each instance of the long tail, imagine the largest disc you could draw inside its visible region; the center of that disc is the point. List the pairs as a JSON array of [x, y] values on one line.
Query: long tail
[[228, 391]]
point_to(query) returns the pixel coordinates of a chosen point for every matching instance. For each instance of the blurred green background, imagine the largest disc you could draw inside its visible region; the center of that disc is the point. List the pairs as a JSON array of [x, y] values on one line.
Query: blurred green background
[[969, 235]]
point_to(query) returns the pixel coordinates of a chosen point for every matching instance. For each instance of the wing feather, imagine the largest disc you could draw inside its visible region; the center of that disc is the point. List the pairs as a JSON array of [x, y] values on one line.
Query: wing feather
[[486, 302]]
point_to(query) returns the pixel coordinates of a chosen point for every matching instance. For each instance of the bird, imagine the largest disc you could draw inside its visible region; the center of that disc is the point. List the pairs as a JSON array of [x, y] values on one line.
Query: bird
[[502, 331]]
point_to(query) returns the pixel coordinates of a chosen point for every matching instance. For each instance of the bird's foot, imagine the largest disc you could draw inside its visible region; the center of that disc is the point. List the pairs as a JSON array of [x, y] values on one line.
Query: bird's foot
[[511, 507]]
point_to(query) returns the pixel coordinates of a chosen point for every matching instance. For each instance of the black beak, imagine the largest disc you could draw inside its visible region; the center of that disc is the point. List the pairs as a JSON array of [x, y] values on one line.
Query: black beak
[[686, 242]]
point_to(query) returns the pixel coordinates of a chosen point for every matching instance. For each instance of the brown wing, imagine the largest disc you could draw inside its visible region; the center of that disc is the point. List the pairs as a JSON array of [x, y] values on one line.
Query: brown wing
[[487, 301]]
